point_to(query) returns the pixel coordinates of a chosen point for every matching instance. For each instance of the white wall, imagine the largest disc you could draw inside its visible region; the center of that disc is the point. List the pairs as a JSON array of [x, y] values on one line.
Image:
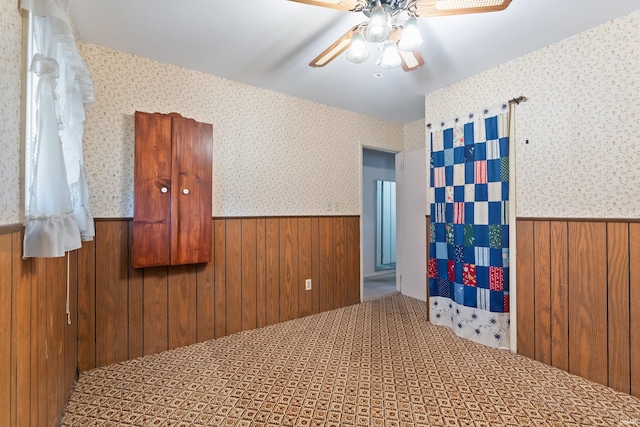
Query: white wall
[[273, 154], [578, 135], [411, 272], [376, 165], [10, 107]]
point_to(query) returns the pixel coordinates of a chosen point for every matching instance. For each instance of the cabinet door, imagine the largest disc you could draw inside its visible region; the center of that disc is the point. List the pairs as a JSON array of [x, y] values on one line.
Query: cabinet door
[[191, 208], [152, 190]]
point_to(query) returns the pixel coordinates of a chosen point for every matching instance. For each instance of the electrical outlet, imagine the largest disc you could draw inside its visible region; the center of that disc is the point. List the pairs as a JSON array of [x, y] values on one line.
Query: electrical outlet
[[307, 284]]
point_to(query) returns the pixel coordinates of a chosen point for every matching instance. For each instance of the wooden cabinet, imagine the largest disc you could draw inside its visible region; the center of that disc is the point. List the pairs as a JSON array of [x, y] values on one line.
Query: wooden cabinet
[[172, 190]]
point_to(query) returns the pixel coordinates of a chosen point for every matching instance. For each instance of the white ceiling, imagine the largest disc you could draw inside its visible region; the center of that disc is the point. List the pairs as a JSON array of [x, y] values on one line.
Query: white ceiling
[[269, 44]]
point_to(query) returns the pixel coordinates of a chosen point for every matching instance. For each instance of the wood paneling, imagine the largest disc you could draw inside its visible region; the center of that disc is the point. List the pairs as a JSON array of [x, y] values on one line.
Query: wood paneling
[[256, 279], [112, 267], [588, 301], [305, 306], [618, 306], [594, 283], [326, 248], [559, 295], [39, 352], [288, 269], [219, 262], [5, 330], [181, 304], [525, 288], [583, 275], [272, 273], [155, 317], [233, 275], [634, 314], [542, 289], [136, 307], [339, 262], [353, 259], [249, 274], [21, 348], [87, 300]]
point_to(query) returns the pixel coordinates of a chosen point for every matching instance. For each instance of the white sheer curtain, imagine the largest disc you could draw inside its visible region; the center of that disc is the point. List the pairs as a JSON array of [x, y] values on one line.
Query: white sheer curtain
[[57, 214]]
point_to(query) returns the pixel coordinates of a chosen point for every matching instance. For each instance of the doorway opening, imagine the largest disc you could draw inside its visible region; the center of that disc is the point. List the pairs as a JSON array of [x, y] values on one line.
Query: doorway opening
[[378, 224]]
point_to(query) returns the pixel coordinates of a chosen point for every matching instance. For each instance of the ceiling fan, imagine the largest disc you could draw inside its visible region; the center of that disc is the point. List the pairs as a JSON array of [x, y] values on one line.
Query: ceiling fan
[[392, 24]]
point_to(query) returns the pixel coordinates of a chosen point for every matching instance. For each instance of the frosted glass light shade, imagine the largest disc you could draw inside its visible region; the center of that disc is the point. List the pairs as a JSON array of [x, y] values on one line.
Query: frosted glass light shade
[[411, 37], [379, 26], [390, 56], [358, 51]]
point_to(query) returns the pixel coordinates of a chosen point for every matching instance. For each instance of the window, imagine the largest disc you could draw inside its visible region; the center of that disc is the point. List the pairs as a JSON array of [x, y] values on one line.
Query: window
[[57, 214]]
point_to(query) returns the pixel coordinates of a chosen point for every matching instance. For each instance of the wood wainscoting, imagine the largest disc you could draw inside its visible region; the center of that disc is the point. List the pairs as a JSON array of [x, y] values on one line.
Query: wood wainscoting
[[257, 278], [578, 293], [38, 348]]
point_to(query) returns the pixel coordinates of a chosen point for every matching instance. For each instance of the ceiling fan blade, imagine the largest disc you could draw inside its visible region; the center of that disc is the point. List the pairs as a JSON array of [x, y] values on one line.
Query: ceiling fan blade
[[410, 60], [426, 8], [348, 5], [335, 49]]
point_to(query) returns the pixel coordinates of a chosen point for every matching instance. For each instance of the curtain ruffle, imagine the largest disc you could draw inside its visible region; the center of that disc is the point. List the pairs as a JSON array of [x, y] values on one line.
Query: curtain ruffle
[[57, 214], [51, 236]]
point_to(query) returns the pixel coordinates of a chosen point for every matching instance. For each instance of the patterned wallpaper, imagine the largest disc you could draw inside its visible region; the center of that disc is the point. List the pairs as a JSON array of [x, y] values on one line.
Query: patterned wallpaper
[[273, 154], [578, 135], [10, 89], [414, 135]]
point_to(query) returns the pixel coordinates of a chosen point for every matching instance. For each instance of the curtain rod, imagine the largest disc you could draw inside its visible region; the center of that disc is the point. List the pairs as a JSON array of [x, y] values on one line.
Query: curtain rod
[[517, 101]]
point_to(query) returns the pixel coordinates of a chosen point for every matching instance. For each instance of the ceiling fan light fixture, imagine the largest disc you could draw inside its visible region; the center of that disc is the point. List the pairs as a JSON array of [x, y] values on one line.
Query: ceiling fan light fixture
[[411, 38], [358, 51], [379, 27], [390, 56], [466, 4]]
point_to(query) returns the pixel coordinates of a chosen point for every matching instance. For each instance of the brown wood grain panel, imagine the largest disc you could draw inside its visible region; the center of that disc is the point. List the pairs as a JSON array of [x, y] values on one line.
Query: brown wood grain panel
[[525, 295], [60, 325], [315, 264], [72, 329], [559, 296], [87, 306], [21, 332], [181, 305], [305, 300], [155, 315], [51, 349], [587, 303], [205, 300], [542, 289], [111, 292], [233, 275], [340, 262], [618, 306], [249, 274], [353, 260], [261, 270], [192, 145], [152, 207], [39, 342], [5, 330], [272, 274], [326, 246], [219, 263], [136, 302], [288, 269], [634, 314]]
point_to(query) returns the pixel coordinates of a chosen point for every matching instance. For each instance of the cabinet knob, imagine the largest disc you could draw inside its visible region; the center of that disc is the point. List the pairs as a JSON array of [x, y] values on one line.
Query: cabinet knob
[[185, 191], [164, 189]]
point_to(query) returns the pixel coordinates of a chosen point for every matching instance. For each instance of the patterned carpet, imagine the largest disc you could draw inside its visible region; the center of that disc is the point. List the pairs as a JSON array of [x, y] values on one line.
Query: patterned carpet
[[374, 364]]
